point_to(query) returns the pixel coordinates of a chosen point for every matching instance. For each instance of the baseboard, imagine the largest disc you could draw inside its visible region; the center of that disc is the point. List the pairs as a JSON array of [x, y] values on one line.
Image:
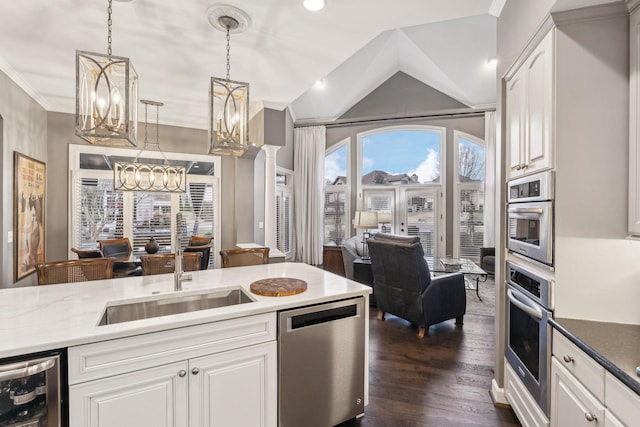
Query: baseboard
[[498, 396]]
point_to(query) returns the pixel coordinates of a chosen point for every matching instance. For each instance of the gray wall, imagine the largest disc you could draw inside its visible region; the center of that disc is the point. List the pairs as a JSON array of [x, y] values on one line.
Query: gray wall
[[24, 130]]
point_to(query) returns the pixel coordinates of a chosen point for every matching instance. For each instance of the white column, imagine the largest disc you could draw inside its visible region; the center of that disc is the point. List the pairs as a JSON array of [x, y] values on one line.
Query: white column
[[270, 197]]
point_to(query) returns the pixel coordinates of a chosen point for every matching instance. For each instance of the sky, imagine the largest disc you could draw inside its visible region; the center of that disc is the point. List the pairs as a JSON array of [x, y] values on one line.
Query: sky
[[413, 152]]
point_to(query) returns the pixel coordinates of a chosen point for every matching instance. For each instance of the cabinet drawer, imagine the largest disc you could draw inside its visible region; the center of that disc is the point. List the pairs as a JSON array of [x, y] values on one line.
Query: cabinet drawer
[[107, 358], [621, 401], [581, 365]]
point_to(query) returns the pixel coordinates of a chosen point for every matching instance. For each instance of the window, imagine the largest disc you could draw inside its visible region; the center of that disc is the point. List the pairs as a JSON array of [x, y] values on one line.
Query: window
[[469, 196], [336, 193], [99, 212], [400, 174], [283, 212]]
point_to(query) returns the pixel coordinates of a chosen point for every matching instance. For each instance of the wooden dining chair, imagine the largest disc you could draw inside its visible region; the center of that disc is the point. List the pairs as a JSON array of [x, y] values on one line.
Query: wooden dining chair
[[75, 270], [166, 263], [121, 250], [202, 245], [241, 257], [87, 253]]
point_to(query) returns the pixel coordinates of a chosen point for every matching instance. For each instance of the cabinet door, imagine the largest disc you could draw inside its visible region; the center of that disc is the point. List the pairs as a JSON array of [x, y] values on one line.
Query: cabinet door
[[611, 421], [155, 397], [516, 125], [571, 403], [539, 70], [234, 388]]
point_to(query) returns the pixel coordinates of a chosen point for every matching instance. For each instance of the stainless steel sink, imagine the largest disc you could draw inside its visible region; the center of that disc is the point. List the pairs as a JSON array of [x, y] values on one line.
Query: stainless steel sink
[[172, 304]]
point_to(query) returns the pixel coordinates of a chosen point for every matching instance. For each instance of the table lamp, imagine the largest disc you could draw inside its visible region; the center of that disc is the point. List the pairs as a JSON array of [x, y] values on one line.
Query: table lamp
[[365, 220], [384, 218]]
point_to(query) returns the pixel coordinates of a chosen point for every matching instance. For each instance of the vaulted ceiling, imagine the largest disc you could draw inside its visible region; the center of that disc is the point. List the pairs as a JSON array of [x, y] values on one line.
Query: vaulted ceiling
[[352, 45]]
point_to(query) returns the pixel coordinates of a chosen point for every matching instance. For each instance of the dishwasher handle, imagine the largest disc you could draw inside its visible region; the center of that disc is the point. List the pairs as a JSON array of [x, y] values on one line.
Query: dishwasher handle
[[298, 321]]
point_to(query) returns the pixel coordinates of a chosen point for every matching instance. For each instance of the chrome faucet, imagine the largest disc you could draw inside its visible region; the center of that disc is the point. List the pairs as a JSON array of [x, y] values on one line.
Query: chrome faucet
[[178, 275]]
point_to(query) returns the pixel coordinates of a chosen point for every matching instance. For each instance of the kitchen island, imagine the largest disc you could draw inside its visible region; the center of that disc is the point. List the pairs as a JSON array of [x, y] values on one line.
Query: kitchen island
[[175, 368]]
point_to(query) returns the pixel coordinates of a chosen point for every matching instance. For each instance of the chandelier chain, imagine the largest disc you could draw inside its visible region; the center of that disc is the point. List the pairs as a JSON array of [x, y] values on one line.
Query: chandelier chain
[[109, 22], [228, 52]]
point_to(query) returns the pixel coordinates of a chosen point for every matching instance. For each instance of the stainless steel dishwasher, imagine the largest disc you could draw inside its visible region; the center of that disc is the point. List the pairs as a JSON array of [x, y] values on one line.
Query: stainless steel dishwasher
[[321, 364]]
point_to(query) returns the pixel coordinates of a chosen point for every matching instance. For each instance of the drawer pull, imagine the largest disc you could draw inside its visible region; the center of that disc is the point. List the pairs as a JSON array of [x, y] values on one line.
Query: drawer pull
[[195, 371], [182, 373], [568, 358], [590, 417]]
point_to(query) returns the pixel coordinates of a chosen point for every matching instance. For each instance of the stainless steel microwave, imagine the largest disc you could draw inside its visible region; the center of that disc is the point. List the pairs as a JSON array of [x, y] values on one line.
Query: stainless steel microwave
[[530, 217]]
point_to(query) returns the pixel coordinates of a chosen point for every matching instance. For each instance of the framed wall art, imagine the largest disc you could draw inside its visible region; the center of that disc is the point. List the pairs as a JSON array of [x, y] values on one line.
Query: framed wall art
[[29, 179]]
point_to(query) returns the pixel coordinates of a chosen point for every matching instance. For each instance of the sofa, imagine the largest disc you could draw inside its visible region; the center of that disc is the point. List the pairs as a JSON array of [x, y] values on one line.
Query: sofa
[[352, 249]]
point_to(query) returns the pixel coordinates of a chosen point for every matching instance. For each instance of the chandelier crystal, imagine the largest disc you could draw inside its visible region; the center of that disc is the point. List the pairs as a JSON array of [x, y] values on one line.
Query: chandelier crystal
[[228, 99], [106, 96], [155, 177]]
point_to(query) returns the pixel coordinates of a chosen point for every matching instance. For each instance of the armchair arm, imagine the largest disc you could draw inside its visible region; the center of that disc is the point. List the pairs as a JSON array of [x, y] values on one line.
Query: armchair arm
[[444, 298], [349, 254]]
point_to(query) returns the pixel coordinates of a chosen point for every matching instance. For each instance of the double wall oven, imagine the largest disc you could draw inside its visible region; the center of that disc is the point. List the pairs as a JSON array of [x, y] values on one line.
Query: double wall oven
[[530, 216]]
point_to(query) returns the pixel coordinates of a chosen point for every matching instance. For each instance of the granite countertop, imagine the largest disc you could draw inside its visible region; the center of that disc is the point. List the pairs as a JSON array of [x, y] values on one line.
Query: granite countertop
[[40, 318], [615, 346]]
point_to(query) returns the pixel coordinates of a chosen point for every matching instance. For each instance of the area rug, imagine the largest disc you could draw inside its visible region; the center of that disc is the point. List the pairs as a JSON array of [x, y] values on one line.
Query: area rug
[[486, 307]]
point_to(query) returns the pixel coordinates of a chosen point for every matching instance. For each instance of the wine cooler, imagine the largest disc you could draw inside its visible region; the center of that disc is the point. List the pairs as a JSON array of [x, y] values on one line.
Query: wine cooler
[[30, 391]]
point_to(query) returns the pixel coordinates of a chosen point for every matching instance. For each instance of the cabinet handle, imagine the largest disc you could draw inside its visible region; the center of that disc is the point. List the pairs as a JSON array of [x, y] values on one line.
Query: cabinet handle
[[195, 371], [518, 167], [568, 358], [590, 417], [182, 373]]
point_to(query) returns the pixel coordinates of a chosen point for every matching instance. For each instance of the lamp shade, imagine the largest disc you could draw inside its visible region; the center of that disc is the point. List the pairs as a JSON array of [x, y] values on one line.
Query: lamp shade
[[384, 217], [365, 219]]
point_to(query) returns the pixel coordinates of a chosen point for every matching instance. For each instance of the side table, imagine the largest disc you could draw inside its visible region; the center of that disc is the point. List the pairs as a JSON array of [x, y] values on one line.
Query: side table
[[362, 273], [332, 259]]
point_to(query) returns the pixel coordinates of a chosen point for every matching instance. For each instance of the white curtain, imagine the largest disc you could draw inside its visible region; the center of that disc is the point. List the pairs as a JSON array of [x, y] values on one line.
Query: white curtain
[[490, 179], [308, 163]]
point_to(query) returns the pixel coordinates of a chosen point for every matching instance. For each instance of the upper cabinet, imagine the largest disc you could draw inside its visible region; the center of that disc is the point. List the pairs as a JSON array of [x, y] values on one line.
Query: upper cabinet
[[529, 112], [634, 123]]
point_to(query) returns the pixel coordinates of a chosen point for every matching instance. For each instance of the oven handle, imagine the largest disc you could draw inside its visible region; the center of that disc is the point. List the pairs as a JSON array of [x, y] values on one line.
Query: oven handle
[[26, 369], [513, 297], [526, 213]]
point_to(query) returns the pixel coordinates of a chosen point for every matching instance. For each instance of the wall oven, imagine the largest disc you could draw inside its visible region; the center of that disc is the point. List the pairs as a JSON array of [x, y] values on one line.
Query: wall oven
[[530, 216], [528, 350]]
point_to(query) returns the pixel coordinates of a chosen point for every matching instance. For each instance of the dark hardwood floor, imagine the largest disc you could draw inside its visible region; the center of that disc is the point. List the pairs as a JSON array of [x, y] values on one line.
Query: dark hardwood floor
[[442, 380]]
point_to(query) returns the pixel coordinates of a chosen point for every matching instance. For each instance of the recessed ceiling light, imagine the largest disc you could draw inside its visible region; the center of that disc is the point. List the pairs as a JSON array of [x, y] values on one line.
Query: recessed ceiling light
[[314, 5], [492, 62], [319, 84]]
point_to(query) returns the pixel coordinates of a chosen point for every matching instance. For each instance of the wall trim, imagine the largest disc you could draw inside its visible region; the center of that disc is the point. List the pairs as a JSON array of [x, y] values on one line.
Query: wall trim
[[22, 83], [590, 13], [498, 395]]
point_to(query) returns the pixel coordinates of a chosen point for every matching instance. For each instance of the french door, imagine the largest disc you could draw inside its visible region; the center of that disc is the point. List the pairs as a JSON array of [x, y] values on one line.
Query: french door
[[414, 212]]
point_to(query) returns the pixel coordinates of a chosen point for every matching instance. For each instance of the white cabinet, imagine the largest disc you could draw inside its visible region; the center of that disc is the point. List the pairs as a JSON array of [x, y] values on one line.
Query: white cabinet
[[634, 124], [217, 374], [152, 397], [571, 403], [529, 112], [584, 394]]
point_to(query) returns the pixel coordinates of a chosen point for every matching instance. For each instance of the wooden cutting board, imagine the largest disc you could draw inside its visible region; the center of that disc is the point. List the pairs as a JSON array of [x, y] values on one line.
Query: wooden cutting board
[[278, 287]]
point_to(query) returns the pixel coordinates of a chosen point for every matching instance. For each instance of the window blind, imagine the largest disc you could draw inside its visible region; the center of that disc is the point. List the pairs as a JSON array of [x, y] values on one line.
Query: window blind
[[98, 211], [151, 218], [197, 213], [283, 221], [335, 219], [471, 222]]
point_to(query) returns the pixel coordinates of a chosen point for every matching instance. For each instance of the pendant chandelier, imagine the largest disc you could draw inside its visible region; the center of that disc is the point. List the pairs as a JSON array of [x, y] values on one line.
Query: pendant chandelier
[[138, 176], [228, 99], [106, 96]]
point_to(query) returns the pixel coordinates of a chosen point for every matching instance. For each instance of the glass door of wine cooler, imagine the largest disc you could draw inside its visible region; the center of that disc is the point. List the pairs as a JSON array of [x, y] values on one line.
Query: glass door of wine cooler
[[30, 392]]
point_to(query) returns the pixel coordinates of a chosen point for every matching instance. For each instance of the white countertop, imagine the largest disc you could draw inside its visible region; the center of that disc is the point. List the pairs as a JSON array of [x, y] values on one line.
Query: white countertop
[[39, 318]]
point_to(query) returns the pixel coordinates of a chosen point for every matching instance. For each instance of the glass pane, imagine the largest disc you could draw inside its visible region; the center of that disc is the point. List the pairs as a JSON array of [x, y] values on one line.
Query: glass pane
[[471, 161], [335, 167], [151, 218], [421, 220], [335, 221], [471, 223], [401, 157], [197, 213], [382, 203], [100, 212]]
